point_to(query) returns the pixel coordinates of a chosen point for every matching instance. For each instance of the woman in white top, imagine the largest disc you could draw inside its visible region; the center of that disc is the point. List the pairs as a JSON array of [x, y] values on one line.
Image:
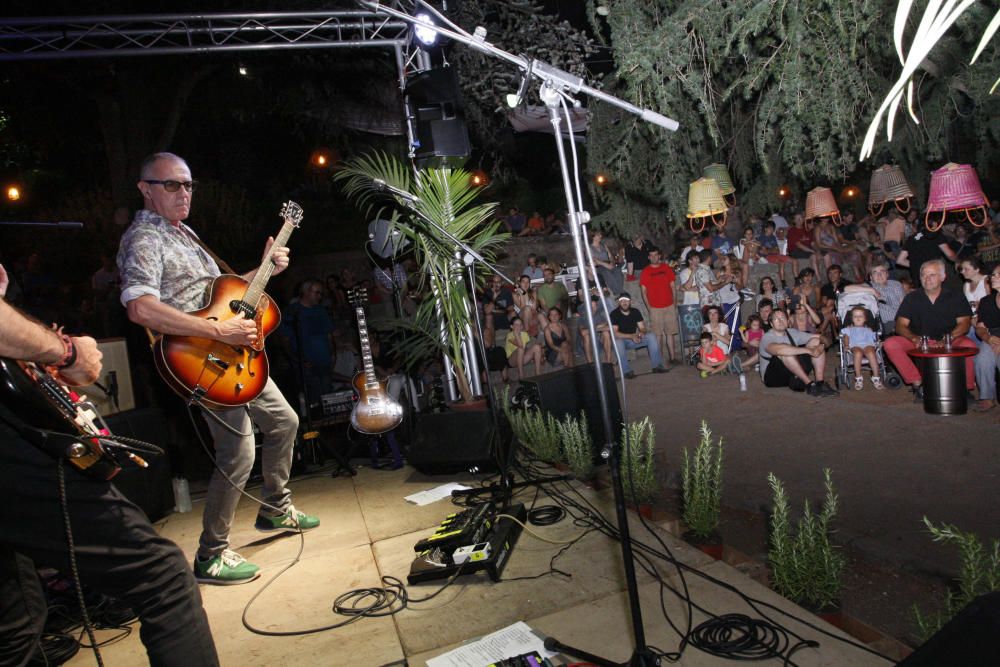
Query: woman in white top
[[721, 334], [976, 285], [526, 306]]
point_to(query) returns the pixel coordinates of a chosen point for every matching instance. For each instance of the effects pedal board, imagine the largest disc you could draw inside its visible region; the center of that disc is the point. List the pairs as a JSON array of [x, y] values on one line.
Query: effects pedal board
[[485, 544]]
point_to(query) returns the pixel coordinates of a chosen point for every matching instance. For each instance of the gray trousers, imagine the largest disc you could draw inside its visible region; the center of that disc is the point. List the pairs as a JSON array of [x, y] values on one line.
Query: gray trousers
[[234, 454], [987, 363]]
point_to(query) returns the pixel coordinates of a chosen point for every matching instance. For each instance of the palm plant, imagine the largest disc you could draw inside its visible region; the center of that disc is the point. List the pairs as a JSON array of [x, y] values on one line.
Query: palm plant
[[447, 197]]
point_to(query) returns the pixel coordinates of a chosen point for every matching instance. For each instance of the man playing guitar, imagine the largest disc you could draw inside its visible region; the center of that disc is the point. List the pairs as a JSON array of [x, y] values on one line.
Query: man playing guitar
[[164, 273], [117, 550]]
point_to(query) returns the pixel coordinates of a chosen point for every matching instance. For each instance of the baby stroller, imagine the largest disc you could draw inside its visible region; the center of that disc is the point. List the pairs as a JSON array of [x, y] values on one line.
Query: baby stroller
[[847, 301]]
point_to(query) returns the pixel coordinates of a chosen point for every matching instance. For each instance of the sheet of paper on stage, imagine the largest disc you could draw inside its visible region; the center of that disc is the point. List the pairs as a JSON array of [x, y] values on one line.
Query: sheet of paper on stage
[[513, 640], [437, 493]]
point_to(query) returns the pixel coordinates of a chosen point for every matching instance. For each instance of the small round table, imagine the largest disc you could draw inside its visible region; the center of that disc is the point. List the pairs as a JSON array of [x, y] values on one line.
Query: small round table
[[944, 378]]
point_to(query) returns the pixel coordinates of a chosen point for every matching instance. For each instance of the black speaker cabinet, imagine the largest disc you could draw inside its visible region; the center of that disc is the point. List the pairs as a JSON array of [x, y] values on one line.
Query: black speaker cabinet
[[966, 639], [149, 488], [434, 104], [461, 440], [572, 390]]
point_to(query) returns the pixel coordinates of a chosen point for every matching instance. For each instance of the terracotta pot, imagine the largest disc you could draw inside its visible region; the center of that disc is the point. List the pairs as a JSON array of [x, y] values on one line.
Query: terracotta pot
[[832, 614], [711, 545], [644, 509]]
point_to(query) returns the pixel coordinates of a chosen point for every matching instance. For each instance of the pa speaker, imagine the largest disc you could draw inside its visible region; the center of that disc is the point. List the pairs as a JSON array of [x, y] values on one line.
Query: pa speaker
[[434, 106], [572, 390], [966, 639], [463, 440]]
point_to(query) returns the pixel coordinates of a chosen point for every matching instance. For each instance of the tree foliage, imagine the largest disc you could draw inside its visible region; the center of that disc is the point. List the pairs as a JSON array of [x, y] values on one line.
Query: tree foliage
[[781, 92]]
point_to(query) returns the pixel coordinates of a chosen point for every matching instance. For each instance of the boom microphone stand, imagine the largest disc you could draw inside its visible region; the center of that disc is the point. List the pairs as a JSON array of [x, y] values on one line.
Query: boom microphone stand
[[557, 87]]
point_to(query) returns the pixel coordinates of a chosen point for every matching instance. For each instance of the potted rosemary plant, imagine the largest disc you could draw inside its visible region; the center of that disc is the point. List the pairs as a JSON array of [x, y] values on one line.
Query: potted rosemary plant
[[701, 484], [805, 566], [577, 445], [537, 431], [638, 473], [448, 197]]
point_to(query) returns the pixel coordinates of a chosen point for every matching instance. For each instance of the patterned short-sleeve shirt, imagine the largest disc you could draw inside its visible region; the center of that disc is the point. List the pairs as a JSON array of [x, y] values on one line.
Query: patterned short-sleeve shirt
[[157, 258]]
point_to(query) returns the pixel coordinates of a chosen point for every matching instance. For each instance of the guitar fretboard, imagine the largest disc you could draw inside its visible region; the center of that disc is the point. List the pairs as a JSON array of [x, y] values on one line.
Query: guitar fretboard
[[366, 349]]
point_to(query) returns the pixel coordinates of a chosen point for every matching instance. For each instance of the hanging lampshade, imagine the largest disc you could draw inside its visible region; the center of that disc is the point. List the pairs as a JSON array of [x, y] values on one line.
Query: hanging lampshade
[[889, 184], [721, 175], [706, 202], [820, 203], [955, 187]]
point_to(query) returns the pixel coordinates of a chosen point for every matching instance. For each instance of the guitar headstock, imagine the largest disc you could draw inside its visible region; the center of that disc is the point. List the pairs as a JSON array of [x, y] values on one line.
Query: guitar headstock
[[357, 296], [291, 212]]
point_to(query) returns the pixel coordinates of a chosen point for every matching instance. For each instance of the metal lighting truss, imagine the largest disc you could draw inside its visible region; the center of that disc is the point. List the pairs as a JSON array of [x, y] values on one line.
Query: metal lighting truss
[[58, 37]]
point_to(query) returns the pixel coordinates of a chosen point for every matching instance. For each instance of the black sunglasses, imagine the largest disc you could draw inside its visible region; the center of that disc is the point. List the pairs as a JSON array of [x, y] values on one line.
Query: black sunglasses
[[173, 186]]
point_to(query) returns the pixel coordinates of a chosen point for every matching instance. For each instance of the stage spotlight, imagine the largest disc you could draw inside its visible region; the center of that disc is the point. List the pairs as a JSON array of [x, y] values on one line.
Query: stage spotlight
[[13, 193], [424, 30]]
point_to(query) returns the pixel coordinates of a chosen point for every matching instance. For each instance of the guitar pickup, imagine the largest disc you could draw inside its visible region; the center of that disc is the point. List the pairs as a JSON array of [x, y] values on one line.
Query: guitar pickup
[[212, 359]]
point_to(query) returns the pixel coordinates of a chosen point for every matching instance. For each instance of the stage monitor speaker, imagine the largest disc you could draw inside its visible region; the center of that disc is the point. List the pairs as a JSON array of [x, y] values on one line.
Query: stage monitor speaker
[[457, 441], [149, 488], [572, 390], [434, 105], [966, 639], [115, 393]]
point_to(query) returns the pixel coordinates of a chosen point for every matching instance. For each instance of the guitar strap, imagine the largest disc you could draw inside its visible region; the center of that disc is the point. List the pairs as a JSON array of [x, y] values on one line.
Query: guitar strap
[[208, 251]]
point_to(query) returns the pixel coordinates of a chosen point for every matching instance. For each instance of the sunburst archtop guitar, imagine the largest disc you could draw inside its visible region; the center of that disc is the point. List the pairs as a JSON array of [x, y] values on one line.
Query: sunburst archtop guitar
[[375, 412], [218, 375]]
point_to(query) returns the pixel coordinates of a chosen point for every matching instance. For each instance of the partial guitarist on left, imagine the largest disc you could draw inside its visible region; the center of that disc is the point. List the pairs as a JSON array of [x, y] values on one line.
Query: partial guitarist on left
[[165, 274], [118, 552]]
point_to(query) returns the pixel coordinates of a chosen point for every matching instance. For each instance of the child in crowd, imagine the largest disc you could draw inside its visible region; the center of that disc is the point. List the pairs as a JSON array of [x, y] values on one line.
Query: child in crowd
[[712, 358], [860, 339], [751, 335]]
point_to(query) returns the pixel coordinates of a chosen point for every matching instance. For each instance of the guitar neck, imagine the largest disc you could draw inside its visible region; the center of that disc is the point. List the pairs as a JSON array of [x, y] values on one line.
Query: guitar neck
[[266, 268], [366, 349]]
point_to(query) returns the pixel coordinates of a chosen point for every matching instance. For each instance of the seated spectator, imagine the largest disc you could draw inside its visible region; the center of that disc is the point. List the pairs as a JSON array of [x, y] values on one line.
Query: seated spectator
[[717, 329], [788, 356], [712, 359], [557, 345], [765, 309], [604, 333], [551, 293], [721, 247], [921, 248], [891, 229], [988, 331], [741, 251], [694, 245], [498, 306], [526, 306], [804, 318], [752, 334], [515, 222], [630, 334], [771, 251], [931, 312], [535, 225], [828, 299], [521, 349], [976, 284], [532, 270], [860, 339], [888, 292], [768, 290], [800, 244], [637, 256]]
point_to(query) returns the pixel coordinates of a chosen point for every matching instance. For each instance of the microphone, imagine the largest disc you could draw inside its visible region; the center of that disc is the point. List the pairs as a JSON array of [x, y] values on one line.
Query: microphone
[[382, 186]]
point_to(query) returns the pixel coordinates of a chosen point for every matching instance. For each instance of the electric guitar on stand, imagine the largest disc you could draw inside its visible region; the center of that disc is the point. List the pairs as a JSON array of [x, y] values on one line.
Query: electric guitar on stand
[[375, 411], [218, 375]]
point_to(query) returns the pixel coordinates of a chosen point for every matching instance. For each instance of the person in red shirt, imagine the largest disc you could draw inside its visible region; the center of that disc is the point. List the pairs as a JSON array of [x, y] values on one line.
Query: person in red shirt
[[711, 358], [657, 282], [800, 244]]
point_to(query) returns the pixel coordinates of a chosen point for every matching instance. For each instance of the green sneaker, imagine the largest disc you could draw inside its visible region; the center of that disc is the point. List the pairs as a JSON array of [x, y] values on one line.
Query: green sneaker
[[291, 520], [226, 569]]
